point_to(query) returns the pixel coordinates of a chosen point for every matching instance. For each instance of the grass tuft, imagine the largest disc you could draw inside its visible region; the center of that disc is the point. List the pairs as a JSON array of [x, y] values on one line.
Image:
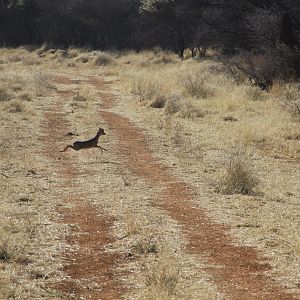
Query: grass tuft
[[146, 246], [195, 85], [159, 101], [43, 83], [163, 281], [7, 251], [146, 89], [104, 59], [4, 94], [173, 105], [237, 179], [82, 59]]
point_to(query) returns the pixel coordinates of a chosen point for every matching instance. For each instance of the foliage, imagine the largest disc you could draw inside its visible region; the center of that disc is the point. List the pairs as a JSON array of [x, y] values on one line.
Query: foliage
[[174, 25]]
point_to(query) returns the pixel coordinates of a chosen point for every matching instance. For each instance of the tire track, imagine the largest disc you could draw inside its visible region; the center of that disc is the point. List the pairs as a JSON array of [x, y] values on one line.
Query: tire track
[[90, 270], [238, 271]]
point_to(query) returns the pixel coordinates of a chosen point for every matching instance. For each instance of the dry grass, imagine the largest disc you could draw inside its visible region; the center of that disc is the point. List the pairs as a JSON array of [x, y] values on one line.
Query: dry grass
[[43, 83], [237, 178], [193, 134], [104, 59], [146, 245], [82, 58], [146, 89], [26, 231], [196, 136], [4, 94], [289, 95], [15, 106], [195, 85], [162, 284]]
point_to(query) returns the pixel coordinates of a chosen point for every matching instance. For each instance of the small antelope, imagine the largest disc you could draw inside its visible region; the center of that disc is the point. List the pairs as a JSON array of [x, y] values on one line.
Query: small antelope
[[78, 145]]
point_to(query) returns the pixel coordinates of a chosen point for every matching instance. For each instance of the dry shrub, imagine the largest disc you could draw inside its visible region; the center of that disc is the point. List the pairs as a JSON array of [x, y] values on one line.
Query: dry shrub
[[159, 101], [146, 89], [31, 60], [84, 94], [71, 64], [82, 59], [254, 93], [15, 107], [191, 111], [165, 59], [15, 58], [184, 107], [45, 47], [157, 50], [4, 94], [173, 105], [195, 85], [290, 98], [73, 52], [25, 97], [15, 81], [262, 69], [43, 83], [131, 224], [237, 179], [7, 250], [104, 59], [162, 282], [146, 246]]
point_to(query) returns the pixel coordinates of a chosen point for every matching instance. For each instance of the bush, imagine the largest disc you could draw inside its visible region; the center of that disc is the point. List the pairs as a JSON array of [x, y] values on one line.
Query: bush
[[15, 107], [104, 59], [73, 52], [146, 246], [237, 179], [290, 100], [191, 111], [42, 82], [164, 281], [4, 94], [173, 105], [146, 89], [262, 68], [82, 59], [195, 85], [165, 59], [7, 251], [159, 101]]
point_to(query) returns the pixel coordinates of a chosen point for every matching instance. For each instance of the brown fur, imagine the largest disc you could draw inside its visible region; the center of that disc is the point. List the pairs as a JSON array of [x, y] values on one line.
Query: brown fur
[[92, 143]]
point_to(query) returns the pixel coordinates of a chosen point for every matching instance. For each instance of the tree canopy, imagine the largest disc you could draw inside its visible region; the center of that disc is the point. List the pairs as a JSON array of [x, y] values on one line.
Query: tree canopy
[[137, 24]]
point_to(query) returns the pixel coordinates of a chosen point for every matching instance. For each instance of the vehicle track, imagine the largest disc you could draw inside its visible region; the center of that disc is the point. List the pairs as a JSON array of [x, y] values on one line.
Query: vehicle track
[[90, 270], [238, 271]]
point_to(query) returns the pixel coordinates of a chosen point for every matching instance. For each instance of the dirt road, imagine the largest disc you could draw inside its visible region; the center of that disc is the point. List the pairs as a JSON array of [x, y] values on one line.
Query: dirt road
[[92, 270]]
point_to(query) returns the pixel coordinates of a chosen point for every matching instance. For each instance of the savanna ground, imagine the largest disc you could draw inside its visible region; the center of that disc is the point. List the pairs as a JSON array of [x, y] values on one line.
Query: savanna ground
[[185, 140]]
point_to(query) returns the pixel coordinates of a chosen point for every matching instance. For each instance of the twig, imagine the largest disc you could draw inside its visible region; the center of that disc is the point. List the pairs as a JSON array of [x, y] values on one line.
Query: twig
[[110, 162]]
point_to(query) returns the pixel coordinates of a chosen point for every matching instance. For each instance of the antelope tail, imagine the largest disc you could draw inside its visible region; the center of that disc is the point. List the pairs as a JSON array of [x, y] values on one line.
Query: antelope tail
[[66, 148]]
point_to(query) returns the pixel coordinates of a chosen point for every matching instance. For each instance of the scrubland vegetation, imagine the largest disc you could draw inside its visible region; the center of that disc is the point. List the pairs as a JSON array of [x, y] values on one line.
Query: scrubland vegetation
[[238, 146], [214, 85]]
